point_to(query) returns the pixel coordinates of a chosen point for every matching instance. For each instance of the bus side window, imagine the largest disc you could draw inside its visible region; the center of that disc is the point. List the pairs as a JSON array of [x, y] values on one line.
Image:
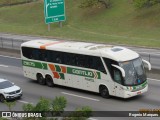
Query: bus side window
[[69, 59], [42, 55], [58, 57], [79, 60], [27, 52], [96, 63], [114, 72], [35, 54], [99, 65], [117, 76], [48, 56], [66, 58]]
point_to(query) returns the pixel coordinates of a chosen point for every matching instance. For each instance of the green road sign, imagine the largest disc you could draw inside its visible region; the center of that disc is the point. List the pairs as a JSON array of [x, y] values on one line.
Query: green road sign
[[54, 11]]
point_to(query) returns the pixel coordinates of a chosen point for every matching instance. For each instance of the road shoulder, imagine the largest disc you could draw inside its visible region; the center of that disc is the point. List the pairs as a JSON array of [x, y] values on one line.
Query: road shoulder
[[10, 52]]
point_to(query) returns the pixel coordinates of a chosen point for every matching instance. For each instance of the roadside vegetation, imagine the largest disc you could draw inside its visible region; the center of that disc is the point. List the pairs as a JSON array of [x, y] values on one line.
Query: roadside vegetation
[[122, 22], [14, 2], [51, 110]]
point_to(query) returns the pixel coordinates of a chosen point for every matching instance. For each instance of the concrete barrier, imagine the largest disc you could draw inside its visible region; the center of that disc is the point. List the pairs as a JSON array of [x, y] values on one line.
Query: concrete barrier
[[10, 43]]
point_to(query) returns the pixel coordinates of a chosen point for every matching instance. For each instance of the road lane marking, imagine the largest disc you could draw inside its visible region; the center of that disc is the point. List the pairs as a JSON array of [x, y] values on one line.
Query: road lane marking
[[10, 57], [150, 53], [25, 102], [80, 96], [3, 65], [92, 119], [154, 79]]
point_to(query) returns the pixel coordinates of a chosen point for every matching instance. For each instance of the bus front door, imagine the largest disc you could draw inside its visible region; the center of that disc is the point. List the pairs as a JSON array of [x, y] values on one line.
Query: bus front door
[[118, 83]]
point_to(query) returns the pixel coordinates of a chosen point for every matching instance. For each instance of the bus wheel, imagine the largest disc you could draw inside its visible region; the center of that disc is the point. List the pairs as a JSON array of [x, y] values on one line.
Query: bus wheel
[[40, 79], [2, 99], [104, 91], [49, 81]]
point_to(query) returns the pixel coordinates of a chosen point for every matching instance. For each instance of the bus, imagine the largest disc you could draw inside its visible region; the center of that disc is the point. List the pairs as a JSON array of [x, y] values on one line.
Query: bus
[[105, 69]]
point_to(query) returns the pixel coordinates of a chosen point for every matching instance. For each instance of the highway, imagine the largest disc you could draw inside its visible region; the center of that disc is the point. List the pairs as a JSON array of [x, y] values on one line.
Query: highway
[[10, 68]]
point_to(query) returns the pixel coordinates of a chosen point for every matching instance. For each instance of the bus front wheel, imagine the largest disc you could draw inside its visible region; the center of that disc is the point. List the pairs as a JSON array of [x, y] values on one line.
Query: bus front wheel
[[104, 92], [40, 79], [49, 81]]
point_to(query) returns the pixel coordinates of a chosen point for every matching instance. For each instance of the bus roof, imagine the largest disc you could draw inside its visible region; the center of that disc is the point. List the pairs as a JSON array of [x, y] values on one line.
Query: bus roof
[[113, 52]]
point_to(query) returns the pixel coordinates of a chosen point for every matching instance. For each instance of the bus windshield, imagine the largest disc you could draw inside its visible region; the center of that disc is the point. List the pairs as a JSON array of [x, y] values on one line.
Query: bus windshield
[[134, 72]]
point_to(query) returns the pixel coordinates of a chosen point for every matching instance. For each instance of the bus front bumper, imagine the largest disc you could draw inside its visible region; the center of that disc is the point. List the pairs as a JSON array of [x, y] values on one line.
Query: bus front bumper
[[129, 94]]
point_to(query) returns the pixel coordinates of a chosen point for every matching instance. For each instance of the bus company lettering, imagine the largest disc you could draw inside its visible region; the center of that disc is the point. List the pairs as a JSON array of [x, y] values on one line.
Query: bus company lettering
[[26, 63], [82, 72]]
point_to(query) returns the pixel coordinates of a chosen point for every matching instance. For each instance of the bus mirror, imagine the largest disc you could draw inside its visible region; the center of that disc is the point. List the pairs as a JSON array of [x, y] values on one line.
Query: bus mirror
[[121, 69], [149, 65]]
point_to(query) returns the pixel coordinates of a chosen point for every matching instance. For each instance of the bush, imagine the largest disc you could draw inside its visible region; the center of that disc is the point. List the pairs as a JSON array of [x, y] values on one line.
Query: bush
[[92, 3], [145, 3], [56, 107]]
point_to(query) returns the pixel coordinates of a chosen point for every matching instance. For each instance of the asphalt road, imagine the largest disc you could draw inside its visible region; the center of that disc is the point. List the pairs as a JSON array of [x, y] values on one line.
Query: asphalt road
[[10, 68]]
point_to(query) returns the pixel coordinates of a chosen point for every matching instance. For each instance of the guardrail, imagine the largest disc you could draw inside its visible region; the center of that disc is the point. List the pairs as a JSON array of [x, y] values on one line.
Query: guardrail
[[11, 43]]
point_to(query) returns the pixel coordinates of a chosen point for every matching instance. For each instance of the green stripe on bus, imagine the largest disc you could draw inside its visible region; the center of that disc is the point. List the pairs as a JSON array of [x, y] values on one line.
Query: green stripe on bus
[[81, 72], [62, 76], [99, 75], [34, 64], [58, 69], [74, 71]]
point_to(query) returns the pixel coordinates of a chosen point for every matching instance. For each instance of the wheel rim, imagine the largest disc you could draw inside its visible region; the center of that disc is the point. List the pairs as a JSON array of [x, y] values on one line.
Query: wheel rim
[[40, 79], [104, 92], [49, 81]]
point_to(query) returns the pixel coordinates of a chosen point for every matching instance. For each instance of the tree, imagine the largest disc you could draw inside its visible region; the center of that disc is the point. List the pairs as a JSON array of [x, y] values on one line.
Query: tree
[[145, 3], [56, 107], [91, 3], [80, 114]]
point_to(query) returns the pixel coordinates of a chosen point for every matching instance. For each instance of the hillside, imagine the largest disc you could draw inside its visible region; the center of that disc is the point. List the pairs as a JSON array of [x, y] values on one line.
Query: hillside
[[121, 24]]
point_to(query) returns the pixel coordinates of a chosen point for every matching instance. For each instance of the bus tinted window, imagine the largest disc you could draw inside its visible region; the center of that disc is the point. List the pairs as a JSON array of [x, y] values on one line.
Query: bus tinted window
[[72, 59], [26, 52], [96, 63], [35, 54], [114, 72]]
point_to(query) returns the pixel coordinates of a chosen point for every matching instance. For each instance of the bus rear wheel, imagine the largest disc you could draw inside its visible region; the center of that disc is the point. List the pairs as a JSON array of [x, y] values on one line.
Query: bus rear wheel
[[40, 79], [49, 81], [104, 92]]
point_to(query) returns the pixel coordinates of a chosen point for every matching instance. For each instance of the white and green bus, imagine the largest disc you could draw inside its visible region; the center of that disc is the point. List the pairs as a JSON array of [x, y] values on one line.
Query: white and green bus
[[105, 69]]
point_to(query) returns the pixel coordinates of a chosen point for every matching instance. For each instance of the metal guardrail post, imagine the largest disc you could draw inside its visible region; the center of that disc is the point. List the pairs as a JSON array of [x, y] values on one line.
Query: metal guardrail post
[[12, 42], [1, 42]]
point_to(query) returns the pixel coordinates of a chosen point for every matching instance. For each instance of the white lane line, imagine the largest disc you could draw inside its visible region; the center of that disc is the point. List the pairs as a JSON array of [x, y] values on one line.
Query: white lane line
[[25, 102], [80, 96], [150, 53], [92, 119], [9, 57], [153, 79], [3, 65]]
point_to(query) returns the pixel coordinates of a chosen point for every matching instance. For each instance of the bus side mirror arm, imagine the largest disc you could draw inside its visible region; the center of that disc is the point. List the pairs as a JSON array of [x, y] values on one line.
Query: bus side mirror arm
[[121, 69], [149, 65]]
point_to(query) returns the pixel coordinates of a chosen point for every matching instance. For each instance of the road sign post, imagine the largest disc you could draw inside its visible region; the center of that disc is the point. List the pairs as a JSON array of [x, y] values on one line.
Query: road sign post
[[54, 11]]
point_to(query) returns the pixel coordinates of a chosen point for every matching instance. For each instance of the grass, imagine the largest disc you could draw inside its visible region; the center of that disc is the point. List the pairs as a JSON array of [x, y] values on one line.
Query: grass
[[12, 2], [121, 24]]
